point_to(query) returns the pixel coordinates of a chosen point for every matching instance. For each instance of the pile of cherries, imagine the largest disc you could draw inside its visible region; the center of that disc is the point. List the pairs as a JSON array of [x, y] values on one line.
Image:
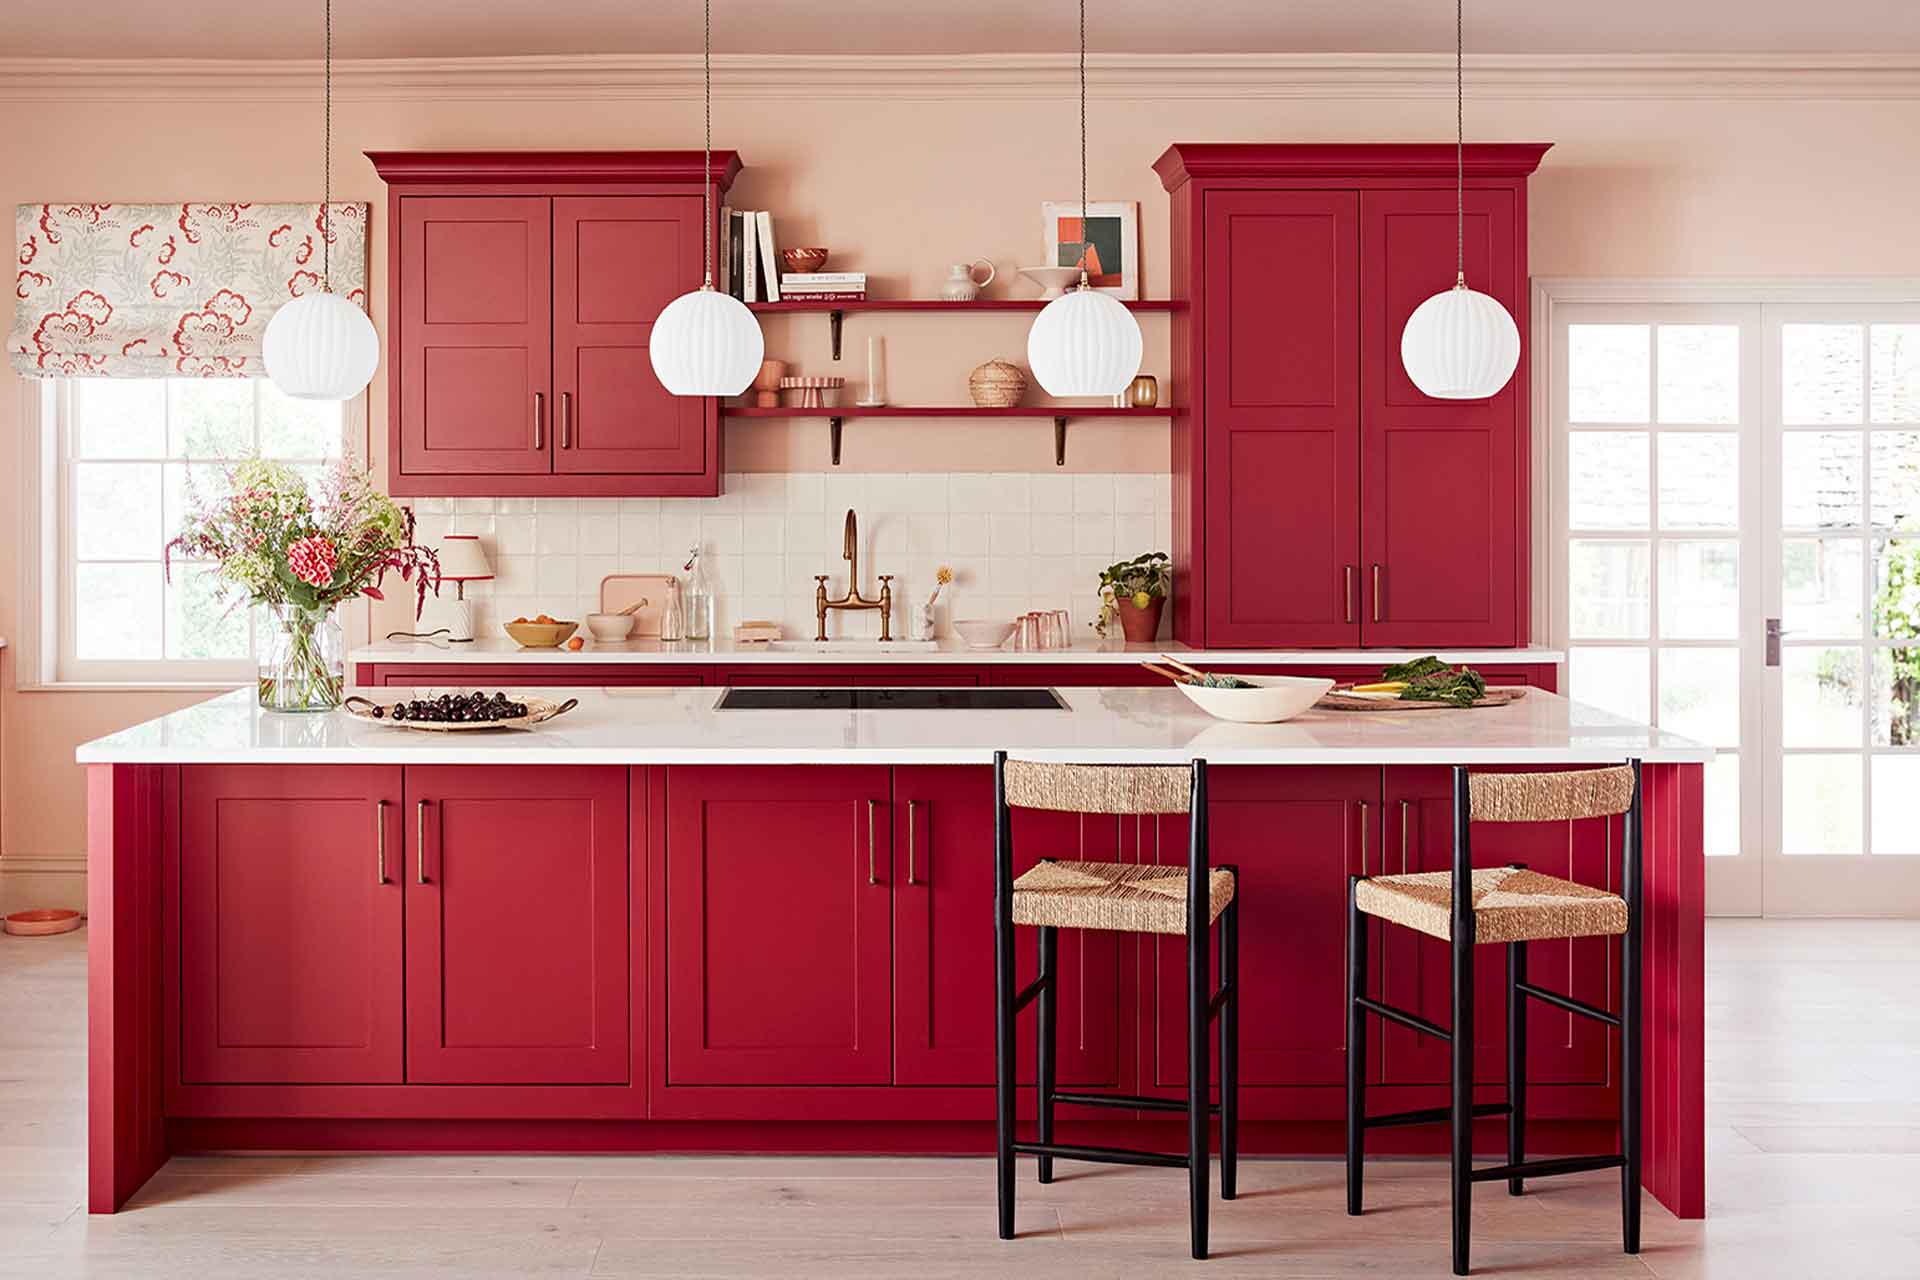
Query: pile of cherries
[[450, 708]]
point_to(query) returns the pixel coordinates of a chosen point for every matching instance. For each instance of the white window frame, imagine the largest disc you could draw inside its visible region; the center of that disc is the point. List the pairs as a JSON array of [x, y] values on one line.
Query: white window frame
[[46, 564]]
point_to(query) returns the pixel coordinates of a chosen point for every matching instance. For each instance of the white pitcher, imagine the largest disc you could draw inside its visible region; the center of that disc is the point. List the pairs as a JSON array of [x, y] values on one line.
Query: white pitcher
[[963, 281]]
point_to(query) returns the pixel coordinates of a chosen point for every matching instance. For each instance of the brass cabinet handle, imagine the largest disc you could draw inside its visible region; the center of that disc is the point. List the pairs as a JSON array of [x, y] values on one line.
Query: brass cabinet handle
[[1376, 593], [539, 420], [380, 836], [420, 841], [1363, 839], [1405, 808], [910, 808], [1346, 591], [566, 419], [871, 877]]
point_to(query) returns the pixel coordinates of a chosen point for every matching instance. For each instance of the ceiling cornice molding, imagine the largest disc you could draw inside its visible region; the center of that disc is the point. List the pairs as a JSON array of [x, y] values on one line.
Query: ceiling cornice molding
[[936, 76]]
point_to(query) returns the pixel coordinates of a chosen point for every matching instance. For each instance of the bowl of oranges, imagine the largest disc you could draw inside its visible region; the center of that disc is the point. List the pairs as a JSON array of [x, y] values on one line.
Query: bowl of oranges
[[541, 632]]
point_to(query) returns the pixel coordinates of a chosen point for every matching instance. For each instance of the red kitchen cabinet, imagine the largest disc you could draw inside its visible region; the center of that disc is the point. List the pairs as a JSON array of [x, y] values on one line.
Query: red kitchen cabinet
[[778, 947], [525, 289], [517, 909], [943, 932], [290, 925], [1295, 835], [1319, 499]]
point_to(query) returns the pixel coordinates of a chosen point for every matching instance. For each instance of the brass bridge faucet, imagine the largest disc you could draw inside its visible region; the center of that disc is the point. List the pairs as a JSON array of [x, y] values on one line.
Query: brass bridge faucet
[[850, 552]]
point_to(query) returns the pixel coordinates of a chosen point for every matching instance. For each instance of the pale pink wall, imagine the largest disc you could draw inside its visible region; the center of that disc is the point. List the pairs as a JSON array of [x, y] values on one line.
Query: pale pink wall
[[901, 187]]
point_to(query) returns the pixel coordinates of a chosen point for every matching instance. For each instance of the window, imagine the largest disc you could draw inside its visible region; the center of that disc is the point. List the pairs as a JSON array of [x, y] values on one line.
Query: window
[[126, 454]]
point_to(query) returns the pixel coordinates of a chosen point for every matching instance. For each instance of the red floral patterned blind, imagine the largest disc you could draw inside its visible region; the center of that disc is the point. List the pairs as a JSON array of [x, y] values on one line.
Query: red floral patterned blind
[[169, 290]]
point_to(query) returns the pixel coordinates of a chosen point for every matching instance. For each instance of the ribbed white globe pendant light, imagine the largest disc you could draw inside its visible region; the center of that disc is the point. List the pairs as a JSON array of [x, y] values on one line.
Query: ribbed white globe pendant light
[[1460, 345], [1084, 343], [706, 343], [321, 346]]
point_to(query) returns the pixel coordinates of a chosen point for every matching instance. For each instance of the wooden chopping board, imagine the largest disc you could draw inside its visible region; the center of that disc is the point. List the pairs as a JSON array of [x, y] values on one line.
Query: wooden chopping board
[[618, 590], [1336, 700]]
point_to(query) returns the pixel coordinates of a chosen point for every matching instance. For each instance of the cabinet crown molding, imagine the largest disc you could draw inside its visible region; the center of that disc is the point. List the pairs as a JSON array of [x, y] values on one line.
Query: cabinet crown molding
[[546, 168], [1184, 161]]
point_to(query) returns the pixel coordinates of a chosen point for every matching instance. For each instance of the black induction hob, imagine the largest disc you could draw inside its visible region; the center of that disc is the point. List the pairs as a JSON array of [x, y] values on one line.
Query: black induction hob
[[790, 699]]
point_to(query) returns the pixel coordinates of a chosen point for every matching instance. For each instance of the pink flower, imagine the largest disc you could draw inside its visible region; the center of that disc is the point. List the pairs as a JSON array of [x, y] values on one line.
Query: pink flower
[[313, 560]]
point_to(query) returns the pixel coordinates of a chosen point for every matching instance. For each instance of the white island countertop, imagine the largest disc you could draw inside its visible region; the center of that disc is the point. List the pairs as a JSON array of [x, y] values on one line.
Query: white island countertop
[[640, 726], [494, 649]]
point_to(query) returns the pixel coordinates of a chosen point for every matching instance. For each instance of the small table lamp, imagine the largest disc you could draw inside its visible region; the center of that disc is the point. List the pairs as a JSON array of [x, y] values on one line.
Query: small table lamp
[[461, 561]]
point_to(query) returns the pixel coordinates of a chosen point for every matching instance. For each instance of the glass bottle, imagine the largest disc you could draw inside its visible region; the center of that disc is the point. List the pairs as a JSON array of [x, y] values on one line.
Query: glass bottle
[[699, 605], [673, 623]]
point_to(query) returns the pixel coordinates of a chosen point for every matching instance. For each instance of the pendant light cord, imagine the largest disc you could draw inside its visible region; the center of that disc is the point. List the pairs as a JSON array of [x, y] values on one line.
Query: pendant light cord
[[1086, 242], [706, 165], [1459, 148], [326, 187]]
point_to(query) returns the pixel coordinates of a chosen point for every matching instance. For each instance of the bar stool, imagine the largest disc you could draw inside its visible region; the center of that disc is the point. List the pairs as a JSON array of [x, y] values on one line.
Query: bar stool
[[1055, 895], [1515, 906]]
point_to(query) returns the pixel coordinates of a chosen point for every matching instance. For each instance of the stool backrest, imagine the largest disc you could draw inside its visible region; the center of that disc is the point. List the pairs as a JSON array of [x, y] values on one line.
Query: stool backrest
[[1099, 788], [1550, 797]]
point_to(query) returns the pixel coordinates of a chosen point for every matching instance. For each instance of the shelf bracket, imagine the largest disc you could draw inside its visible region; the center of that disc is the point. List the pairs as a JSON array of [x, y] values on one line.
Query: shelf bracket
[[834, 319], [833, 426], [1060, 440]]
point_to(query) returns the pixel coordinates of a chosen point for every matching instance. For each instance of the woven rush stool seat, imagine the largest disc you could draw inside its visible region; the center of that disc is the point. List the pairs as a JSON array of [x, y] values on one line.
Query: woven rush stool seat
[[1510, 904], [1110, 895]]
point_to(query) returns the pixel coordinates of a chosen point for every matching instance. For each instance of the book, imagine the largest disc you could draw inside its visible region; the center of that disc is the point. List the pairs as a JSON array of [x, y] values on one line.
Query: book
[[736, 257], [750, 251], [816, 295], [725, 282], [769, 260], [823, 279]]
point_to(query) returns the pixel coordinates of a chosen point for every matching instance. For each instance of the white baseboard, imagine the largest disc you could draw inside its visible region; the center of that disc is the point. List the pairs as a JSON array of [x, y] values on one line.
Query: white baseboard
[[43, 880]]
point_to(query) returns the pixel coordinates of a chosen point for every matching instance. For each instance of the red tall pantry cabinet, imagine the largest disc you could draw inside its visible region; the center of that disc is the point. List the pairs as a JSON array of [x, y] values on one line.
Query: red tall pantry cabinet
[[1319, 499]]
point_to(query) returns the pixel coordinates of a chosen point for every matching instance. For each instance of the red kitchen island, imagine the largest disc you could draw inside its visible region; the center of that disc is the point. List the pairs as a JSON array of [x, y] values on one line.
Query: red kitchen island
[[656, 924]]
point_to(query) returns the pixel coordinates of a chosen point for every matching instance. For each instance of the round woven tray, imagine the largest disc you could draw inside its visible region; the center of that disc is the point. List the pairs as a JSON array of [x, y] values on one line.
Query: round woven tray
[[1336, 700], [539, 710]]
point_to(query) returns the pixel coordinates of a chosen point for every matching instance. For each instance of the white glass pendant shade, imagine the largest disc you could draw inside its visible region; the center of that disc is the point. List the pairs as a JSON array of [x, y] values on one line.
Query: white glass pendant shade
[[706, 343], [1460, 345], [1084, 343], [321, 347]]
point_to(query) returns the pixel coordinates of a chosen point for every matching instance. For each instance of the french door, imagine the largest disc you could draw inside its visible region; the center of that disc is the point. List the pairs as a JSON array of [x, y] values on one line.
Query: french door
[[1736, 490]]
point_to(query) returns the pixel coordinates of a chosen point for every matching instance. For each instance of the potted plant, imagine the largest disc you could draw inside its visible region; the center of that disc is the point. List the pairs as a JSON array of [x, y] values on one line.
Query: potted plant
[[273, 543], [1135, 591]]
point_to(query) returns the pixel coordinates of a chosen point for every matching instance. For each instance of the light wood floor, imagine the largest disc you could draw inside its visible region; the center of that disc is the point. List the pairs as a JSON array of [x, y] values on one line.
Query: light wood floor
[[1813, 1050]]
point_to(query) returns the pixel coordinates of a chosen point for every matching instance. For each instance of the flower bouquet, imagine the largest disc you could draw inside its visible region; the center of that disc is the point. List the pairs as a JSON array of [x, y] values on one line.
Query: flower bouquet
[[276, 542]]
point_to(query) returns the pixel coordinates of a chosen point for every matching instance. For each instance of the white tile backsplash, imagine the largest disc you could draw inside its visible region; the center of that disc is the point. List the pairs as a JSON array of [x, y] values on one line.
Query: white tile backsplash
[[1015, 541]]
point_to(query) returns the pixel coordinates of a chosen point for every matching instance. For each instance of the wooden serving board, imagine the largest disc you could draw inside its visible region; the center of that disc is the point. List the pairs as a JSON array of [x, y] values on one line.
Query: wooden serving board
[[648, 590], [539, 710], [1337, 700]]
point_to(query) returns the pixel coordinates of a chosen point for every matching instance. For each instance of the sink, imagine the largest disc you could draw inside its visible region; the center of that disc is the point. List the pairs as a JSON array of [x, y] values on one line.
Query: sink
[[868, 646]]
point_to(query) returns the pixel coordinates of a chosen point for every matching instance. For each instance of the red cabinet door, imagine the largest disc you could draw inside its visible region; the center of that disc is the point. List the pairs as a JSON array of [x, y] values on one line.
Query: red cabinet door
[[617, 261], [1294, 835], [476, 334], [517, 925], [1413, 970], [289, 937], [779, 959], [1441, 526], [1282, 405], [943, 935]]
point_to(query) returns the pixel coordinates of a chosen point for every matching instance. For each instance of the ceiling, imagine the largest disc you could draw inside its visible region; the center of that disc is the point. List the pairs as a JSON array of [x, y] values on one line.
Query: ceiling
[[491, 28]]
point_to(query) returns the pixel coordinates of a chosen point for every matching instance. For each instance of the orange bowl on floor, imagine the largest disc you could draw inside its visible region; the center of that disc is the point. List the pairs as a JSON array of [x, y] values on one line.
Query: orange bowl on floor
[[35, 924]]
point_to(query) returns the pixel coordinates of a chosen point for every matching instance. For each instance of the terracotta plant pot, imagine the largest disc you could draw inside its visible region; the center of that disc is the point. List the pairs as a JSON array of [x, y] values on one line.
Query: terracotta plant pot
[[1140, 626]]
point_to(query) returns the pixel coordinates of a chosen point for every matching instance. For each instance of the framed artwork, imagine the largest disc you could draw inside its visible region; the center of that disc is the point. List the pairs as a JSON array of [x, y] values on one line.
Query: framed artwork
[[1108, 234]]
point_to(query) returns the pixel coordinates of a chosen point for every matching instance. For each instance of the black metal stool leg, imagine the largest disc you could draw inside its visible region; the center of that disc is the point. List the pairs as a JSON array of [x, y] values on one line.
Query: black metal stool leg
[[1516, 1062], [1199, 1117], [1003, 1025], [1047, 1040], [1461, 1044], [1630, 1030], [1356, 1048], [1230, 1051]]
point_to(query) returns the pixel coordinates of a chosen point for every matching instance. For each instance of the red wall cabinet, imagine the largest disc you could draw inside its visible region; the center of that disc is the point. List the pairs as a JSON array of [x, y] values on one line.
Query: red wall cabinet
[[517, 937], [526, 285], [778, 951], [1320, 500], [289, 934]]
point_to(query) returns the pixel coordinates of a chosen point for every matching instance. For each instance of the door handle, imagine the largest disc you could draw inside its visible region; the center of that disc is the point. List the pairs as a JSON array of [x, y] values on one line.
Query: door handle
[[910, 808], [380, 836], [1363, 839], [1404, 808], [872, 877], [1376, 593], [566, 419], [420, 841], [1773, 641], [539, 420], [1346, 591]]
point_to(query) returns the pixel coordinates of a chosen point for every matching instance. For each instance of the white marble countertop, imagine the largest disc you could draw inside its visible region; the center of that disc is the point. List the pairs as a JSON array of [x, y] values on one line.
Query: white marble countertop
[[500, 649], [1111, 725]]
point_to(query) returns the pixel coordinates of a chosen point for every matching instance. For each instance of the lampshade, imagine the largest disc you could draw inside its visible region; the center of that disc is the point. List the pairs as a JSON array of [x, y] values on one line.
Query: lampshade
[[706, 343], [462, 559], [1460, 345], [321, 347], [1084, 343]]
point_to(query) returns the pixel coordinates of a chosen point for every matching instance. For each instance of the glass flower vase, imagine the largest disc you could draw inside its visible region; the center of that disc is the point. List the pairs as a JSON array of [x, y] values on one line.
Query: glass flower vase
[[304, 667]]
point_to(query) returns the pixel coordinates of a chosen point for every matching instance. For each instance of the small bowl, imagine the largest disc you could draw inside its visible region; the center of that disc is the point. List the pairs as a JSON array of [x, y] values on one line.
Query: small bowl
[[610, 627], [803, 260], [540, 635], [42, 922], [1271, 700], [982, 633]]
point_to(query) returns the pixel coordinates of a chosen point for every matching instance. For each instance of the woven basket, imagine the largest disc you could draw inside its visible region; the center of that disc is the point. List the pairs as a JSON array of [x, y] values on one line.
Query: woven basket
[[997, 385]]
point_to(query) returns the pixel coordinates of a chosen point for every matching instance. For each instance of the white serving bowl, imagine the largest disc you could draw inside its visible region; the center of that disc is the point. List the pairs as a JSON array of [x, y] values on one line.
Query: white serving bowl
[[983, 633], [1272, 699], [610, 626]]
